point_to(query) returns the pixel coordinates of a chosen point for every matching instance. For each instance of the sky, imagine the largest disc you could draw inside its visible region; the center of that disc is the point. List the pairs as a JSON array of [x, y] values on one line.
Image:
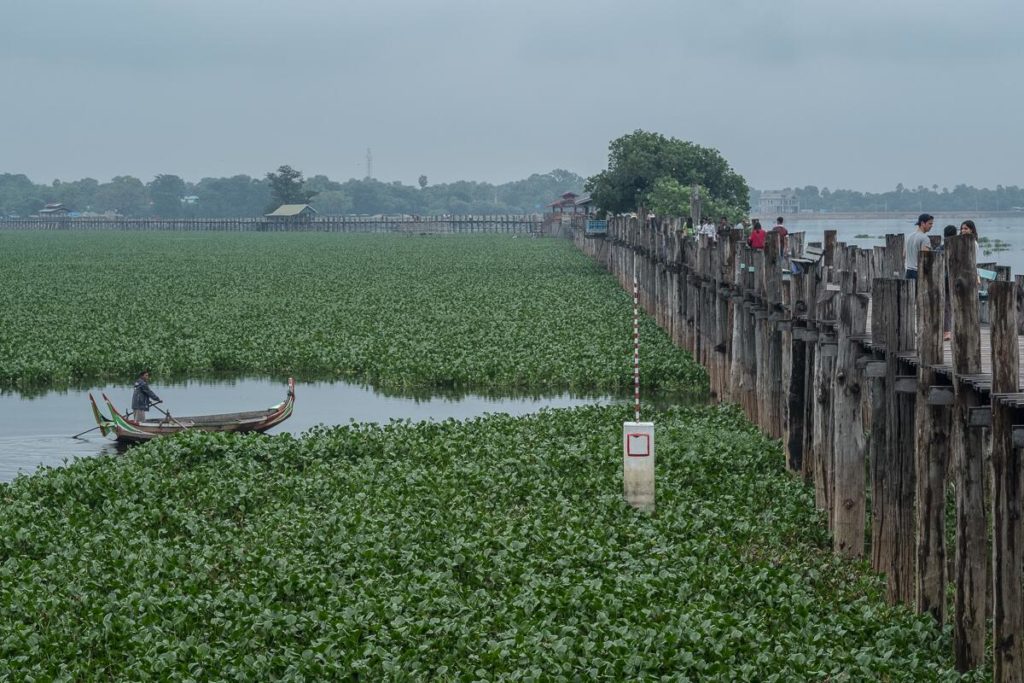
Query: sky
[[860, 95]]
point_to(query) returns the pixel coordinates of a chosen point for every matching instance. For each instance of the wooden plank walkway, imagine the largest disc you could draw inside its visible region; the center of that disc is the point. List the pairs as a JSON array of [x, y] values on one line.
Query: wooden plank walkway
[[981, 382]]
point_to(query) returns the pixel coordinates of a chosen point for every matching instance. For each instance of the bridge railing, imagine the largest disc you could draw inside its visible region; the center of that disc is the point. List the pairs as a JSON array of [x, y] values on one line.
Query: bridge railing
[[828, 348]]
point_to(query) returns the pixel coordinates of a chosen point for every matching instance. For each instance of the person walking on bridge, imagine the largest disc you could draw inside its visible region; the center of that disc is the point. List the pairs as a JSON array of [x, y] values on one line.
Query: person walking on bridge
[[756, 239], [917, 242], [781, 230]]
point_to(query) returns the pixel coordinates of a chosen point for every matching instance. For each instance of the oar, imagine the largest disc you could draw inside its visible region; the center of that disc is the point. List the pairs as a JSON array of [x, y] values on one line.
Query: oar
[[168, 415], [85, 432]]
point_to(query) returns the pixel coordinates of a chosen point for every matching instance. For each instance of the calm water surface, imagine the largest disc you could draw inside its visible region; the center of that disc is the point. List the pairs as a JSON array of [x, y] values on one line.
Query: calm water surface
[[1008, 229], [37, 430]]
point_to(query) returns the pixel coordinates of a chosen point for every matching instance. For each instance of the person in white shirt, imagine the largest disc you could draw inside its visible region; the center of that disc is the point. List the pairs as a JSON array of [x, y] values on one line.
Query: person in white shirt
[[917, 242]]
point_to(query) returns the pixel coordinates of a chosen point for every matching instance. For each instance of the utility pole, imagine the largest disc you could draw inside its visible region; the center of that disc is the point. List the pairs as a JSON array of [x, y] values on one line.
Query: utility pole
[[369, 163]]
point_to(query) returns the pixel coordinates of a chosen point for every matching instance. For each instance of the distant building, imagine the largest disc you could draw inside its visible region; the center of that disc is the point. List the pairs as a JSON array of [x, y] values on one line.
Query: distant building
[[584, 205], [54, 210], [778, 204], [567, 203], [295, 212]]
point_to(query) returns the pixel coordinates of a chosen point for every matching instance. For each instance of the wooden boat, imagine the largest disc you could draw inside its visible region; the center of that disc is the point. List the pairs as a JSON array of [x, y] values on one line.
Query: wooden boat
[[130, 431]]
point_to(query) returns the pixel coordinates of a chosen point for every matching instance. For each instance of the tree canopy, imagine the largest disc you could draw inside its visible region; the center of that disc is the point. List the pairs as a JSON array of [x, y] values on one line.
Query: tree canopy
[[169, 196], [287, 187], [646, 168]]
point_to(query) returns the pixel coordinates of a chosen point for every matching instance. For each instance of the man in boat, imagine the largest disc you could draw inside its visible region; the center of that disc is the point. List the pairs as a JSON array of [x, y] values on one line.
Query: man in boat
[[143, 398]]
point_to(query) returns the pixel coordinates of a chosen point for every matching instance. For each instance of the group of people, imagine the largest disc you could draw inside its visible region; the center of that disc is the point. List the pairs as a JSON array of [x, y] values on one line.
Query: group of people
[[756, 237], [918, 240]]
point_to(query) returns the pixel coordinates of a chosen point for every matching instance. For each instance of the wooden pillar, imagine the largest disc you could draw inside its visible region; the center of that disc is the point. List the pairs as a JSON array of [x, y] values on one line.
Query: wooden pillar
[[828, 253], [1019, 292], [893, 462], [812, 280], [737, 375], [971, 529], [795, 398], [1007, 533], [849, 443], [932, 458], [822, 420], [773, 347]]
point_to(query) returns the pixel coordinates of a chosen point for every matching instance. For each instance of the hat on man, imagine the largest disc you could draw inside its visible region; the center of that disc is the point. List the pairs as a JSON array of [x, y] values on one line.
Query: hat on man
[[924, 218]]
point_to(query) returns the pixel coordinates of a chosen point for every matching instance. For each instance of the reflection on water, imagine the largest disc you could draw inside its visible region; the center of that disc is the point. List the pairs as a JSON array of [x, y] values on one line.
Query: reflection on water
[[36, 429]]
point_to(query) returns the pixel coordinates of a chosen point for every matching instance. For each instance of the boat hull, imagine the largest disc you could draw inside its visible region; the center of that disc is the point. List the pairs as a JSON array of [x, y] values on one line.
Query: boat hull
[[126, 430]]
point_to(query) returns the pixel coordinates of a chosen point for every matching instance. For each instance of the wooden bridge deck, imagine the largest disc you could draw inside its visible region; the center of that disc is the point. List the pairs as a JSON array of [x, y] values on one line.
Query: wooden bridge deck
[[981, 382]]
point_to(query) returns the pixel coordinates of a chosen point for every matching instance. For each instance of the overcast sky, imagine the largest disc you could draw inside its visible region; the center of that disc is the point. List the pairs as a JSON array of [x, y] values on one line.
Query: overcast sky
[[859, 95]]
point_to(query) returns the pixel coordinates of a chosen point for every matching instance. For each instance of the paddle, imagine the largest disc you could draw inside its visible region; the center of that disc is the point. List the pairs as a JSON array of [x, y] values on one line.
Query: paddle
[[168, 416], [85, 432]]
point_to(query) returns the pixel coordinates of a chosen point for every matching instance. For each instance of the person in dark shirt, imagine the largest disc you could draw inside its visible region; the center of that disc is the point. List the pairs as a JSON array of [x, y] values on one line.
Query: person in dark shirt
[[781, 229], [143, 398]]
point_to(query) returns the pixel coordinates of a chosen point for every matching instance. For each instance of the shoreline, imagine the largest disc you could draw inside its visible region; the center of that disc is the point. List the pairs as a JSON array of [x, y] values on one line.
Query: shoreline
[[896, 215]]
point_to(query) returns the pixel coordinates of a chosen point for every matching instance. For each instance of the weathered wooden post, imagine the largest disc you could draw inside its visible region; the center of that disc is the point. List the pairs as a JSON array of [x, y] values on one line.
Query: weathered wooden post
[[1007, 483], [828, 254], [893, 264], [796, 376], [775, 412], [1019, 290], [971, 530], [849, 443], [893, 442], [823, 371], [812, 283], [737, 372], [932, 438]]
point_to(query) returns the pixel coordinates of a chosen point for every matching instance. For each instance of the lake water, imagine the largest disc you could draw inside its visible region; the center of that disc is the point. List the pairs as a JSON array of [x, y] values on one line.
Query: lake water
[[1008, 229], [37, 430]]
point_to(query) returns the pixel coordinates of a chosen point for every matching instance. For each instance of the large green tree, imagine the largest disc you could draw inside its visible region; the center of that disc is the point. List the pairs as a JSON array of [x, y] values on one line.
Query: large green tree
[[124, 194], [639, 160], [288, 187], [165, 193]]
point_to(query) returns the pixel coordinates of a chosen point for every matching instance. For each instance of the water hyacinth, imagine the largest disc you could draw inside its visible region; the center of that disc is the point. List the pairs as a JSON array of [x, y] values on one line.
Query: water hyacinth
[[399, 312], [493, 549]]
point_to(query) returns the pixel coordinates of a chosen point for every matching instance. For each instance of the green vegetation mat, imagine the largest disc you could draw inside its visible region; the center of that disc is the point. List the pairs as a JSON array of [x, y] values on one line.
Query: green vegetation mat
[[398, 312], [497, 548]]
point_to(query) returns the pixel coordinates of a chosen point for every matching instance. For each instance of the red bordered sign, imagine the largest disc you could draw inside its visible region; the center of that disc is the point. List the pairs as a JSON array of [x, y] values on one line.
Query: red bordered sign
[[638, 445]]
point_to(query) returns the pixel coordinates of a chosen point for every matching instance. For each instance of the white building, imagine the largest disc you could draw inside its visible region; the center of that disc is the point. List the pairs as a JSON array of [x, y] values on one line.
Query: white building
[[775, 203]]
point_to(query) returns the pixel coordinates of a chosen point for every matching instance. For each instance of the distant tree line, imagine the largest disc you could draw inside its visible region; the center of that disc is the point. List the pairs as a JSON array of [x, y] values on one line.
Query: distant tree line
[[169, 196], [905, 199]]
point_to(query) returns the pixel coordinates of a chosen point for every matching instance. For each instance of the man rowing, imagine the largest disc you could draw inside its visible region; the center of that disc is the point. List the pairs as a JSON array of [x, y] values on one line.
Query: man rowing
[[143, 398]]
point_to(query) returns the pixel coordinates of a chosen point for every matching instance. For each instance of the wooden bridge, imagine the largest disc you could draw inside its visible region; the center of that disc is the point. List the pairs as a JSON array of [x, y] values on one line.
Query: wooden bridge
[[845, 362], [460, 224]]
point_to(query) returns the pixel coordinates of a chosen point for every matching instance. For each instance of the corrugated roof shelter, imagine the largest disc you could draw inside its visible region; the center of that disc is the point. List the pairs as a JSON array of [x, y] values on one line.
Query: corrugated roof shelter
[[54, 210], [292, 211]]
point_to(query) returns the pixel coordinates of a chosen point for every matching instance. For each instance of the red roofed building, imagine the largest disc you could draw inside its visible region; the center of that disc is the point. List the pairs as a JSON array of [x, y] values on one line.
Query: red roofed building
[[566, 204]]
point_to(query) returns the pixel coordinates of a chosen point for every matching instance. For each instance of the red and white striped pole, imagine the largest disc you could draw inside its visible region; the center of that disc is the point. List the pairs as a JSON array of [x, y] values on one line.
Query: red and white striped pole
[[636, 345], [637, 436]]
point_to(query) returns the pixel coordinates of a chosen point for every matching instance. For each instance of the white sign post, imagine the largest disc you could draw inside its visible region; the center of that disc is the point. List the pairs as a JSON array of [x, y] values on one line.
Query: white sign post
[[638, 464], [637, 436]]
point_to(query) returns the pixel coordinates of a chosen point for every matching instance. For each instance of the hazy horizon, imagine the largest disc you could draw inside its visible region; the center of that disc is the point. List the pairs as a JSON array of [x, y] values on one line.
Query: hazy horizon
[[792, 93]]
